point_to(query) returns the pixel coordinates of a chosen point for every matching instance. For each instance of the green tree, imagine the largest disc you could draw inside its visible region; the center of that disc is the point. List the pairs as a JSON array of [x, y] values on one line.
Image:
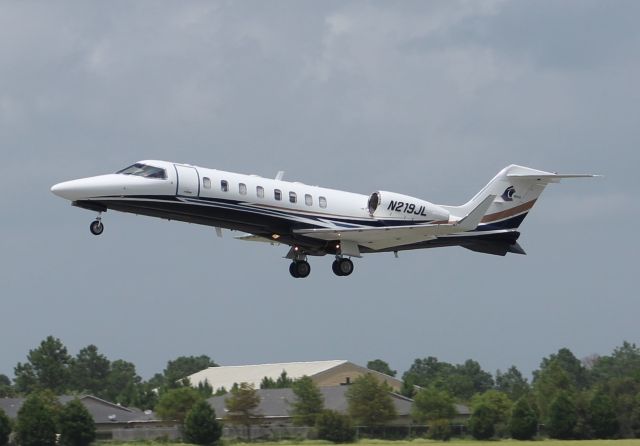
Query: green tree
[[201, 426], [335, 427], [548, 382], [89, 371], [282, 382], [489, 414], [183, 366], [242, 405], [482, 422], [461, 381], [562, 417], [5, 428], [174, 404], [77, 427], [603, 420], [469, 379], [512, 383], [576, 372], [426, 372], [432, 404], [309, 402], [36, 423], [123, 383], [381, 366], [47, 368], [369, 401], [6, 389], [523, 424]]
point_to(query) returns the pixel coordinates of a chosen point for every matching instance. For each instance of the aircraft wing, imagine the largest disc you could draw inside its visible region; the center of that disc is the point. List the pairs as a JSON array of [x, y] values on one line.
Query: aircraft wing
[[389, 236]]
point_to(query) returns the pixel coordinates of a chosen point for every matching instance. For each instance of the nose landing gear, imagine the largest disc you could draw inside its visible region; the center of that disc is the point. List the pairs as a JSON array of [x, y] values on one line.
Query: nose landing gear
[[96, 227]]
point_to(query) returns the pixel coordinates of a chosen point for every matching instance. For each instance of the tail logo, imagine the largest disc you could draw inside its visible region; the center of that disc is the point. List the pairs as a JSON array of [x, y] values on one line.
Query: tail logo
[[508, 193]]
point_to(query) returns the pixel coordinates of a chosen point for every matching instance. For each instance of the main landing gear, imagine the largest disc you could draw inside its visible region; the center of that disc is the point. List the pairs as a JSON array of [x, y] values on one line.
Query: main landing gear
[[299, 269], [342, 266], [96, 227]]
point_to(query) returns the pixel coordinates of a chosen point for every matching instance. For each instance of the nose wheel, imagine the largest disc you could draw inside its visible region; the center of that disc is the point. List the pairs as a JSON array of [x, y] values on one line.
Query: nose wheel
[[342, 267], [299, 269], [96, 227]]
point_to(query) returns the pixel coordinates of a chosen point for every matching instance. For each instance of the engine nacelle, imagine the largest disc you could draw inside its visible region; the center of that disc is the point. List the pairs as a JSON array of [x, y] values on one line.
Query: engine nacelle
[[391, 205]]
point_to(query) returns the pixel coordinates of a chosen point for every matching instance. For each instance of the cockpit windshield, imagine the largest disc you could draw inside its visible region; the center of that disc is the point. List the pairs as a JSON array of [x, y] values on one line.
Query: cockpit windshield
[[144, 170]]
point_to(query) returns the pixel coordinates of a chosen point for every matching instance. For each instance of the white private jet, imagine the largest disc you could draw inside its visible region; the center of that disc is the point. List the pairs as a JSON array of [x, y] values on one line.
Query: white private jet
[[312, 220]]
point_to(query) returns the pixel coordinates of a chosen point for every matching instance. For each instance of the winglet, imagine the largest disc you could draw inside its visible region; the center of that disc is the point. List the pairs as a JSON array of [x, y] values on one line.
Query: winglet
[[280, 175], [473, 218]]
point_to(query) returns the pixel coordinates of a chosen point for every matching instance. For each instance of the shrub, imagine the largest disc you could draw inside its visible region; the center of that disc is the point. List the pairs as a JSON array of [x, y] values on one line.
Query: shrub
[[335, 427], [439, 430], [201, 426]]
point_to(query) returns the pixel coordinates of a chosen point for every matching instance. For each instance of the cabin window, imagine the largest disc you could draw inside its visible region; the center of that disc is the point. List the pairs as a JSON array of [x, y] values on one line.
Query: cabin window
[[206, 182], [277, 194], [242, 188], [293, 197], [224, 186], [260, 191], [308, 200], [322, 201]]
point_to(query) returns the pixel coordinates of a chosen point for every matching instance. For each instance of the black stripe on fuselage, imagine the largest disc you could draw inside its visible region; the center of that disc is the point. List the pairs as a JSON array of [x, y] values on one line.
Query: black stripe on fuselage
[[238, 215]]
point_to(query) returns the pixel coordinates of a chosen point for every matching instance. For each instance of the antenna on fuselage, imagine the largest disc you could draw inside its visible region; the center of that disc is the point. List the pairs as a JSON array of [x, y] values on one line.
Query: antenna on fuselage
[[280, 175]]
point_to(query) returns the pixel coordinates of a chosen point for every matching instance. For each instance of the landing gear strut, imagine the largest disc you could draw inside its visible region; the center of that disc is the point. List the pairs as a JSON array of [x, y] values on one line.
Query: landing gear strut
[[96, 227], [342, 266], [299, 269]]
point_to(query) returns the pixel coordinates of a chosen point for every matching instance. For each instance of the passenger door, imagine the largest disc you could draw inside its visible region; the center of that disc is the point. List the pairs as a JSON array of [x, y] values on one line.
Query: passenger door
[[188, 181]]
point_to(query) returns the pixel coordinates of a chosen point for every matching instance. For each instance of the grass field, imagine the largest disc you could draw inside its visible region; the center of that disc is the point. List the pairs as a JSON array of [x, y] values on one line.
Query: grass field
[[418, 442]]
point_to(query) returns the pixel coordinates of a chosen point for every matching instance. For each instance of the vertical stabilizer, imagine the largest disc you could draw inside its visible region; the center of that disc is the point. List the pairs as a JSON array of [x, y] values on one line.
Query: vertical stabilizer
[[516, 189]]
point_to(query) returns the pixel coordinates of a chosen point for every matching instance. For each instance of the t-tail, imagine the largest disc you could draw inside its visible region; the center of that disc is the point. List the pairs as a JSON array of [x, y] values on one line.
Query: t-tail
[[516, 189]]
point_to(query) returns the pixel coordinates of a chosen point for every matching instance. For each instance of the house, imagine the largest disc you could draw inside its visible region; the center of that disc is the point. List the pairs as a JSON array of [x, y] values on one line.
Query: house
[[323, 373], [275, 405], [110, 419]]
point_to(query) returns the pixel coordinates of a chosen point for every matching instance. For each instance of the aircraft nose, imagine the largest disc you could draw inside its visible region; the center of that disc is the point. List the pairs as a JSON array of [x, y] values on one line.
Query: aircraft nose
[[62, 189], [74, 189]]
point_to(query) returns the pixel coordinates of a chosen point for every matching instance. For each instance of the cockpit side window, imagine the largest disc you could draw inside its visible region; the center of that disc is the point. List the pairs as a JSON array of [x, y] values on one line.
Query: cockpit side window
[[144, 170]]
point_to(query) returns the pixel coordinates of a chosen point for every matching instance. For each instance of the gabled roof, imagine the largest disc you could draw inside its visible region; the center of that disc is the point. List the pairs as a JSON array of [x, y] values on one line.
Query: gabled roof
[[225, 377], [103, 412]]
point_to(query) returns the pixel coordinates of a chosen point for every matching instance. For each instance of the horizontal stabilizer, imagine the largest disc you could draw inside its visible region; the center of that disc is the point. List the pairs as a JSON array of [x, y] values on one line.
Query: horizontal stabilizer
[[546, 177]]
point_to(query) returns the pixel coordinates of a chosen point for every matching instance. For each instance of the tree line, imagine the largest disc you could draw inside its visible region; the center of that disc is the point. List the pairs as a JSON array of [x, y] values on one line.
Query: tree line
[[596, 397]]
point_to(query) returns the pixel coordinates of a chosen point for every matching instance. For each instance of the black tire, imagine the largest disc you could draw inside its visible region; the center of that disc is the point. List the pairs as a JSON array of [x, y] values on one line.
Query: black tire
[[293, 270], [335, 268], [345, 266], [303, 269], [96, 227]]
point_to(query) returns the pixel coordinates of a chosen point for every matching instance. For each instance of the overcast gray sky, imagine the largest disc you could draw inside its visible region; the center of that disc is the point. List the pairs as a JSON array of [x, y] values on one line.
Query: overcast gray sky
[[429, 99]]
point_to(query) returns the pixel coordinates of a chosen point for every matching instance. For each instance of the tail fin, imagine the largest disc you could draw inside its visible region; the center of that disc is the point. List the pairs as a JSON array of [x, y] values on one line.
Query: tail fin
[[516, 189]]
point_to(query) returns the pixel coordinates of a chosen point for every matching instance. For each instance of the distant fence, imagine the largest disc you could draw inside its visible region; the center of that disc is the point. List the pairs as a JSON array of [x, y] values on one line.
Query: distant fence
[[283, 432], [145, 433]]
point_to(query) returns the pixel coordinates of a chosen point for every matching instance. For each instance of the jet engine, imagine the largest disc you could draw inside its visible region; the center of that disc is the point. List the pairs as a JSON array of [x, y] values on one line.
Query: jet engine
[[390, 205]]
